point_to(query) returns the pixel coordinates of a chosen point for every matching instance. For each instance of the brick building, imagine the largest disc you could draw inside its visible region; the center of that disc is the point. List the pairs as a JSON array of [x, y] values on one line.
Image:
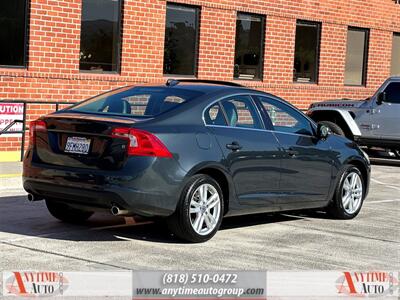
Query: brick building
[[303, 51]]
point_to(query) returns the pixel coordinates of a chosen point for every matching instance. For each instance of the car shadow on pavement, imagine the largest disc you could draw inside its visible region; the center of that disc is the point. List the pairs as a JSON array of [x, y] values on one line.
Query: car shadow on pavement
[[21, 220]]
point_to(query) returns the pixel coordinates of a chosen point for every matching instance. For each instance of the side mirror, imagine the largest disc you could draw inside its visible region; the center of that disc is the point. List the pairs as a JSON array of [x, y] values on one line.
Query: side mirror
[[323, 131], [382, 97]]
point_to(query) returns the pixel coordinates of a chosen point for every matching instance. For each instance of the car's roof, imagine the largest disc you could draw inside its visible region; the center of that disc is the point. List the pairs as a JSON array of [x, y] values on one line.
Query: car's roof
[[202, 87]]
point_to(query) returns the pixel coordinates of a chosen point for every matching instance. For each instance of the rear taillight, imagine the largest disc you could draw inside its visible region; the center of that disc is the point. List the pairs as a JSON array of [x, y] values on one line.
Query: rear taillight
[[34, 127], [141, 143]]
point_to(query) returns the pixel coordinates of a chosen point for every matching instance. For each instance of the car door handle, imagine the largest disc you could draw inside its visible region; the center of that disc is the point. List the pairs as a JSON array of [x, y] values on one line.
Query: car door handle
[[234, 146]]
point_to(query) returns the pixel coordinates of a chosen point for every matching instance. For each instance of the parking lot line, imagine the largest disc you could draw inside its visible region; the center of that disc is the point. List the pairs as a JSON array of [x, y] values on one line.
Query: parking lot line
[[38, 236], [66, 256], [122, 225], [385, 184], [382, 201]]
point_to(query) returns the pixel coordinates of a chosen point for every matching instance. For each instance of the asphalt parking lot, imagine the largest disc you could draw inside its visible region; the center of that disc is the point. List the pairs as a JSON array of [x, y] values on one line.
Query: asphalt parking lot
[[30, 239]]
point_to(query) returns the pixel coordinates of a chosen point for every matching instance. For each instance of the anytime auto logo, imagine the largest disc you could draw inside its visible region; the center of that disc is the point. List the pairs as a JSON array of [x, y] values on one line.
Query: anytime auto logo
[[367, 284], [34, 283]]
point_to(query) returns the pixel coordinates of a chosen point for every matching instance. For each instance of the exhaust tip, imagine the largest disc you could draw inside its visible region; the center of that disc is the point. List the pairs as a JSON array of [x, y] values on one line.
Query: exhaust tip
[[115, 211], [32, 197]]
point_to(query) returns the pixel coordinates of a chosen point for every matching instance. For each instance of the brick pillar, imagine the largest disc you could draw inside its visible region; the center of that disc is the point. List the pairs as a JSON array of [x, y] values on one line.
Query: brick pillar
[[379, 58], [332, 54], [143, 39], [217, 44], [279, 50], [54, 36]]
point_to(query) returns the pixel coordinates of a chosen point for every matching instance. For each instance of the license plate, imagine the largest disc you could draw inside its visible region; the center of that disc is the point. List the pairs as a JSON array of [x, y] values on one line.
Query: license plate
[[77, 145]]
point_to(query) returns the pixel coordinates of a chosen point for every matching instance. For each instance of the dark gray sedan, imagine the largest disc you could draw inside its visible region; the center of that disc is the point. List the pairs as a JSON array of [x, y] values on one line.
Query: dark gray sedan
[[192, 152]]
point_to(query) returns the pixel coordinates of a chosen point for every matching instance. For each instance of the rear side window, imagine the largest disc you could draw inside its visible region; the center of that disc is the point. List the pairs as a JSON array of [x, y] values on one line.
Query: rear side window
[[137, 101], [241, 112]]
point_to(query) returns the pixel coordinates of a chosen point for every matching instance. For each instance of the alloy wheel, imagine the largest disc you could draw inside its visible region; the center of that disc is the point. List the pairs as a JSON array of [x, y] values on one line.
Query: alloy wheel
[[352, 193], [205, 209]]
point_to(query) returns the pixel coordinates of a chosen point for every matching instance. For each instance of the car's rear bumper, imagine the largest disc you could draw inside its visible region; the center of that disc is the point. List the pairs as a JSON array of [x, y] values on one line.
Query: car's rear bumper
[[137, 202], [147, 193]]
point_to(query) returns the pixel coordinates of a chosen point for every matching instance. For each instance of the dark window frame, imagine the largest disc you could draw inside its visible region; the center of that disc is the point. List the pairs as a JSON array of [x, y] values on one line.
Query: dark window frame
[[26, 41], [197, 10], [318, 50], [119, 44], [395, 34], [262, 45], [366, 56]]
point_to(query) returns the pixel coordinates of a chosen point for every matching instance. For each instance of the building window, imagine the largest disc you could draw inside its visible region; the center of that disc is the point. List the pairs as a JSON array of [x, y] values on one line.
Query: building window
[[181, 39], [249, 46], [356, 56], [396, 55], [306, 56], [100, 35], [13, 33]]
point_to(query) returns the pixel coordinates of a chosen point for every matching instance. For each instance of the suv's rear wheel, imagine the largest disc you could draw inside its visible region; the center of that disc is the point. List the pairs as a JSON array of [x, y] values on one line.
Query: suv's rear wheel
[[336, 129], [66, 213], [349, 195], [200, 210]]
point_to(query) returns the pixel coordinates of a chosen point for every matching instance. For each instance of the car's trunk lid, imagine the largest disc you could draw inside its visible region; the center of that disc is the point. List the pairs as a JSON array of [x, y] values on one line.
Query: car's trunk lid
[[82, 140]]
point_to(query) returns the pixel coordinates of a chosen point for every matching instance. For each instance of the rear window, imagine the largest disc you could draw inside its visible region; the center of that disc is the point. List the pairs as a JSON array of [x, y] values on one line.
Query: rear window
[[137, 101]]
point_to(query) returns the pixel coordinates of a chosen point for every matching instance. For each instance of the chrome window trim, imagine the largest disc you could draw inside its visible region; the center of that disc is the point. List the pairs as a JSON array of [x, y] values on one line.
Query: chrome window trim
[[231, 127], [263, 130]]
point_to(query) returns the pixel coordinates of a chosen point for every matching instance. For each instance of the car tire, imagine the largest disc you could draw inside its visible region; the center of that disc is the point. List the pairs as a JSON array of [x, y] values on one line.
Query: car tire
[[200, 210], [349, 195], [335, 128], [67, 214]]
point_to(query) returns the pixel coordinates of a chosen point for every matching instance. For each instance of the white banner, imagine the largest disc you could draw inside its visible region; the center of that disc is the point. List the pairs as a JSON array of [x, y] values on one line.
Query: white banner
[[204, 284]]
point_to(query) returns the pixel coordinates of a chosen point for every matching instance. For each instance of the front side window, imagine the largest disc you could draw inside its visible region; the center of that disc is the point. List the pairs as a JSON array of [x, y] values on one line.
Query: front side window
[[306, 55], [249, 46], [13, 33], [395, 70], [136, 101], [393, 92], [181, 37], [285, 118], [241, 112], [356, 56], [100, 35]]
